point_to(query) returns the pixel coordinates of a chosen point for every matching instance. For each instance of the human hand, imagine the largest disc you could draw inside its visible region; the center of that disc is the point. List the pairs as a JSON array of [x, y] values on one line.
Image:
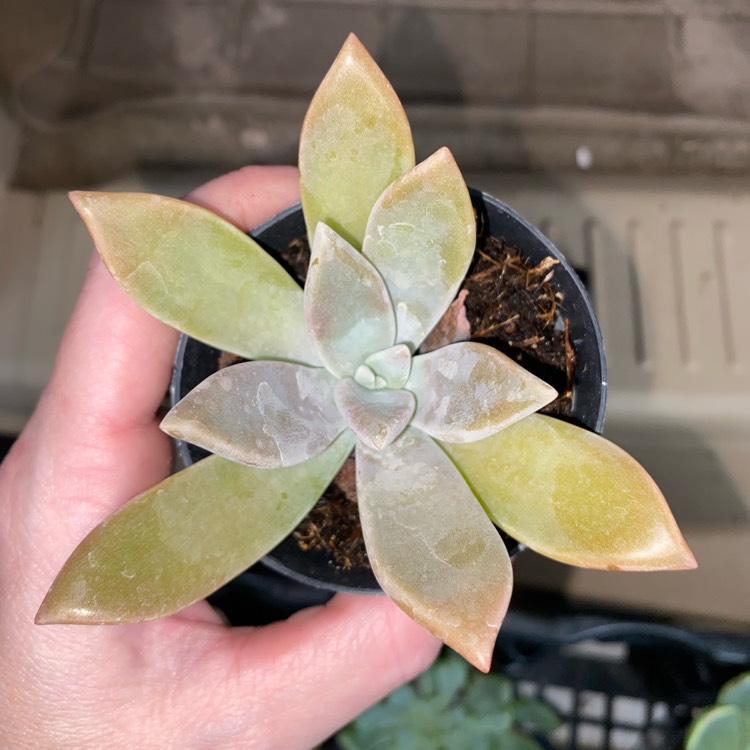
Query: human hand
[[185, 681]]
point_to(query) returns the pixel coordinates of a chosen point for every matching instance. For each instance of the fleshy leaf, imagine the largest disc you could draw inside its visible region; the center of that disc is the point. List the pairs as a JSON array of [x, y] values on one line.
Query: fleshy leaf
[[355, 142], [468, 391], [737, 693], [573, 496], [266, 414], [431, 545], [392, 364], [719, 728], [347, 307], [377, 418], [179, 541], [421, 237], [198, 273]]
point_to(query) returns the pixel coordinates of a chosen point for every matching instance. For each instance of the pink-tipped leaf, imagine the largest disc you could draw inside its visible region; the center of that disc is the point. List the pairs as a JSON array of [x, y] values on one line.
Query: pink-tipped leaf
[[184, 538], [355, 141], [571, 495], [432, 547], [468, 391], [197, 272]]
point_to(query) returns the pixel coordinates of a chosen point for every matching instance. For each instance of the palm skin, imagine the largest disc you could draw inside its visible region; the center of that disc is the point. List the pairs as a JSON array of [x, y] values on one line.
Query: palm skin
[[185, 681]]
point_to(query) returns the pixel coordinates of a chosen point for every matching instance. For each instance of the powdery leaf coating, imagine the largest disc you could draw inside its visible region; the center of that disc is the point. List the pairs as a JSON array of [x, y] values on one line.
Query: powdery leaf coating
[[355, 141], [349, 314], [421, 236], [392, 364], [198, 273], [377, 418], [265, 414], [432, 548], [573, 496], [184, 538], [468, 391]]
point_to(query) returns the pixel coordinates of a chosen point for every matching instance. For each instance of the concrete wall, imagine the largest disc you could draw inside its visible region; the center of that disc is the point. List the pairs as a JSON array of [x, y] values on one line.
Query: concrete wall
[[646, 85]]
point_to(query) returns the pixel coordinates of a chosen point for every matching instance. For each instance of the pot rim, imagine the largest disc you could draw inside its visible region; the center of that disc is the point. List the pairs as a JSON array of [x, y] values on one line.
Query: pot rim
[[595, 422]]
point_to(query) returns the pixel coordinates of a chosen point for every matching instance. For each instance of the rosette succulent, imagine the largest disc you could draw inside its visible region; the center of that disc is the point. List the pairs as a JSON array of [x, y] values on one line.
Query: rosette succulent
[[446, 443]]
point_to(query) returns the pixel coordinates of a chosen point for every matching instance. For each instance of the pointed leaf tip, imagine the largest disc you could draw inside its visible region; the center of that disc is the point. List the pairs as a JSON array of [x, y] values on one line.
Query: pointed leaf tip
[[432, 547], [355, 141], [572, 495], [265, 414], [468, 391], [347, 308], [182, 539], [198, 273], [421, 237]]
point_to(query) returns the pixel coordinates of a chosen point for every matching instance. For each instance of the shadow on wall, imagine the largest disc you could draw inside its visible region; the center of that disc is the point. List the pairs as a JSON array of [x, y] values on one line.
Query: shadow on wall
[[690, 474], [710, 61], [156, 82]]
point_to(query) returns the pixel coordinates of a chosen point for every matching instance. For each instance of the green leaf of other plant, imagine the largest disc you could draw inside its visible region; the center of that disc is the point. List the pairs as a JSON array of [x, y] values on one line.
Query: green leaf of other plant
[[488, 695], [198, 273], [536, 715], [355, 141], [449, 707], [443, 680], [736, 693], [573, 496], [719, 728], [181, 540]]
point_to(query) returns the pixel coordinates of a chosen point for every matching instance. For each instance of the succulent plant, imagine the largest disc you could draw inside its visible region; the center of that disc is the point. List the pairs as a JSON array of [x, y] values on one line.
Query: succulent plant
[[446, 442], [726, 725], [452, 707]]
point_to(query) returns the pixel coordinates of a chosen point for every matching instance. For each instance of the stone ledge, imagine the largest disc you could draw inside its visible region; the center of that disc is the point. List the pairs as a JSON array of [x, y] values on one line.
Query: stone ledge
[[225, 132]]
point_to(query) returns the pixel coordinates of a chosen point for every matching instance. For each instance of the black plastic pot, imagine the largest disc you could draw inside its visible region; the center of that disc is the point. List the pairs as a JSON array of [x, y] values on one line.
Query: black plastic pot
[[195, 361]]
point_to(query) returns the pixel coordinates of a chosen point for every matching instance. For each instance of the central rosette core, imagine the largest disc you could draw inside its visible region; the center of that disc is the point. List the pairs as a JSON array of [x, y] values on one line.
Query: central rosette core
[[373, 402], [366, 377], [388, 368]]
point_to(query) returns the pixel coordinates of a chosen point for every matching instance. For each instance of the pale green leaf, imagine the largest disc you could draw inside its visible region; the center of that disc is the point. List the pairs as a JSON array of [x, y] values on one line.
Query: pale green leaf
[[443, 680], [355, 142], [421, 237], [490, 694], [718, 728], [181, 540], [520, 742], [737, 692], [431, 546], [392, 364], [573, 496], [468, 391], [376, 417], [198, 273], [347, 307], [536, 715], [266, 414]]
